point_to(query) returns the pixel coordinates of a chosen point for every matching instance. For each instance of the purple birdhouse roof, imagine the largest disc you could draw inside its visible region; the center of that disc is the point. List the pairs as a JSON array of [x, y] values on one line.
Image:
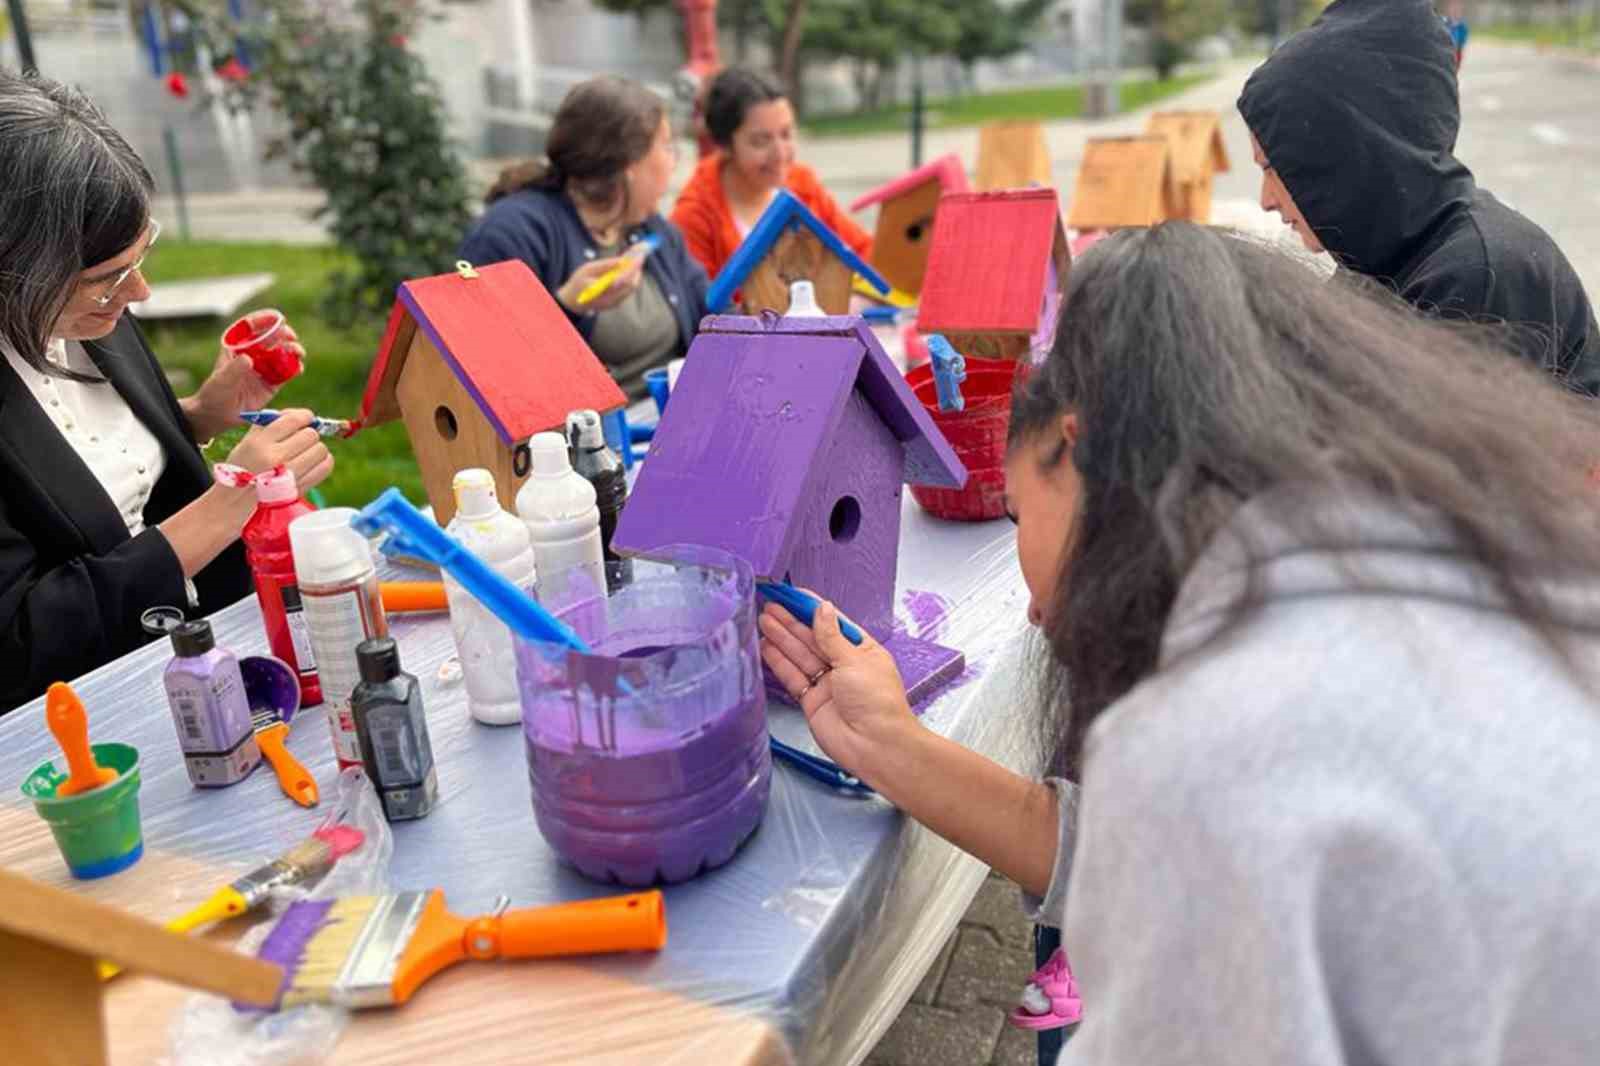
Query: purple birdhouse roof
[[737, 454]]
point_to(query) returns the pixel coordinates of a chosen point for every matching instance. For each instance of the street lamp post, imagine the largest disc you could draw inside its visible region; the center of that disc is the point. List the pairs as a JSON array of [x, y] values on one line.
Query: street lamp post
[[19, 23]]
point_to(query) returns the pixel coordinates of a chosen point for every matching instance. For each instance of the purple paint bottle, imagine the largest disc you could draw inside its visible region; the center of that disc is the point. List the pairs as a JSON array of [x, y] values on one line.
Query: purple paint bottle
[[210, 708], [648, 759]]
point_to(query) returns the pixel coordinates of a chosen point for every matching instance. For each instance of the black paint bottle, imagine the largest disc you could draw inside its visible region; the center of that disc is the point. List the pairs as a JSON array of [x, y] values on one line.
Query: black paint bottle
[[387, 707]]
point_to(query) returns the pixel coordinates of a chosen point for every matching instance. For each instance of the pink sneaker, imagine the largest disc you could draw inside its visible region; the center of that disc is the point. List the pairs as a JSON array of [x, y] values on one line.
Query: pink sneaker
[[1050, 1000]]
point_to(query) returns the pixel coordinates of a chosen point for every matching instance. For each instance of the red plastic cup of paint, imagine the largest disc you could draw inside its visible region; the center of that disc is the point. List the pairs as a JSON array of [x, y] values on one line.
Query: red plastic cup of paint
[[262, 336]]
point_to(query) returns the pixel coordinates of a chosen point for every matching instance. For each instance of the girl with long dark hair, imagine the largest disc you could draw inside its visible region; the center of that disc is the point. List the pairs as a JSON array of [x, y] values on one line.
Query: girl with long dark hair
[[1317, 585]]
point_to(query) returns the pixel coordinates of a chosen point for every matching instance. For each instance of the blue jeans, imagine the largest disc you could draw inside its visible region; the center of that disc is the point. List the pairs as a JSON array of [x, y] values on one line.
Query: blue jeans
[[1045, 942]]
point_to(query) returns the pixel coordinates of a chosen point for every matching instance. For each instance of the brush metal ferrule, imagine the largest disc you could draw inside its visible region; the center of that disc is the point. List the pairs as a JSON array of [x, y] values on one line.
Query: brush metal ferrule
[[255, 885], [367, 979]]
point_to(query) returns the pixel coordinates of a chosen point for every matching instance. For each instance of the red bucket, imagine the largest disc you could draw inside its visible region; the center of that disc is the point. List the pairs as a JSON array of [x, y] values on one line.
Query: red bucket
[[978, 435]]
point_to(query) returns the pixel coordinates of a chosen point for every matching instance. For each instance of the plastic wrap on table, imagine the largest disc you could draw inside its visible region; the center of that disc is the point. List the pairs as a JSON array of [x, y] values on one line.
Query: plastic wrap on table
[[803, 947]]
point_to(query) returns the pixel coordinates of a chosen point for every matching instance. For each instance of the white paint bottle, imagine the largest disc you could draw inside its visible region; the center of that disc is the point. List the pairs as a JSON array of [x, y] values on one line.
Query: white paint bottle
[[558, 504], [483, 642]]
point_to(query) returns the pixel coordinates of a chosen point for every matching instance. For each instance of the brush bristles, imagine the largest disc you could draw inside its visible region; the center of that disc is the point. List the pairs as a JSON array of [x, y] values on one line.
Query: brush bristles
[[312, 941], [310, 857]]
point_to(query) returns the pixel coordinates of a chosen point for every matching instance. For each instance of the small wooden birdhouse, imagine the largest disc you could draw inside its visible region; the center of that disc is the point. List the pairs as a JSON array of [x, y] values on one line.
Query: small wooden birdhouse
[[787, 443], [1198, 154], [787, 244], [475, 363], [906, 211], [51, 945], [1123, 181], [1012, 155], [996, 272]]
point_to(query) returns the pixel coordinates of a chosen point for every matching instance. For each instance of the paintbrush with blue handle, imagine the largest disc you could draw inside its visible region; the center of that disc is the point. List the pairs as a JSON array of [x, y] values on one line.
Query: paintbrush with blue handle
[[803, 605]]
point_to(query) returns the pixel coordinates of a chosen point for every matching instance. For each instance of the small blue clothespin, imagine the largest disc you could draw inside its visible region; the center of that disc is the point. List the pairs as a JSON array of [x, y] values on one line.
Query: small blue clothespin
[[949, 371]]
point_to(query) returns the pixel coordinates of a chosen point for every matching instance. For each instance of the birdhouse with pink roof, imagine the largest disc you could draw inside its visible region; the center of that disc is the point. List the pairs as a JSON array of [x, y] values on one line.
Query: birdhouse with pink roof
[[788, 442], [907, 207], [475, 362], [996, 272]]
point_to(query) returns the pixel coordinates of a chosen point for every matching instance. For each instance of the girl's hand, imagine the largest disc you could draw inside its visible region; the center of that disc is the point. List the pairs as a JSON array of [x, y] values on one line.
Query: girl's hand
[[234, 386], [852, 696], [626, 285]]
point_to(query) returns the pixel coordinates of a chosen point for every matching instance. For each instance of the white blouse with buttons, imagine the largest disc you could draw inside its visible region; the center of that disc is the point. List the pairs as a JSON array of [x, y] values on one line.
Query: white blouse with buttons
[[118, 449]]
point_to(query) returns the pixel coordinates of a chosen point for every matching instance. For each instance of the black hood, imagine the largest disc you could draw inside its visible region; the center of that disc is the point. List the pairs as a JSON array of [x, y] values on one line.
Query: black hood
[[1358, 114]]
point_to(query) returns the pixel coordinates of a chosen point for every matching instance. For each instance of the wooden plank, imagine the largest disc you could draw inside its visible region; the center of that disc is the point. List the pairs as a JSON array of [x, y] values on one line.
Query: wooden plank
[[68, 921], [797, 255], [904, 234], [433, 401], [50, 1003], [1122, 182], [1012, 155]]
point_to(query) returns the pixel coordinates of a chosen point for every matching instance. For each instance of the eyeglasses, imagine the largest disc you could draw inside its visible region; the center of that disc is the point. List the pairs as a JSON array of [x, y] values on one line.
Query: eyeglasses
[[111, 286]]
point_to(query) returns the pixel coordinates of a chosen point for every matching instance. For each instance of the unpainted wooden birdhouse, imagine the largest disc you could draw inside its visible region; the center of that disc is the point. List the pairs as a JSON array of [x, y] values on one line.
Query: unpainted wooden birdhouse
[[1197, 155], [1013, 155], [1122, 182], [51, 945], [788, 443], [906, 210], [996, 272], [475, 363], [787, 244]]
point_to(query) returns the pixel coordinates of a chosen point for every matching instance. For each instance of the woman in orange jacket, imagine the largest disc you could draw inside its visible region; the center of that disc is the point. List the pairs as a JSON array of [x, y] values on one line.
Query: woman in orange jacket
[[753, 126]]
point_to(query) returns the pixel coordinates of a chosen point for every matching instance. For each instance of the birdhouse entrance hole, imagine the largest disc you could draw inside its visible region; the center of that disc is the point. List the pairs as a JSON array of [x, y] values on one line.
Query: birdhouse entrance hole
[[845, 521], [444, 420]]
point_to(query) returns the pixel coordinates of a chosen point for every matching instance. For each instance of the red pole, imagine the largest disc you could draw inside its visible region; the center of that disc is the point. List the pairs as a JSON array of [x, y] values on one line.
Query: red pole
[[700, 42]]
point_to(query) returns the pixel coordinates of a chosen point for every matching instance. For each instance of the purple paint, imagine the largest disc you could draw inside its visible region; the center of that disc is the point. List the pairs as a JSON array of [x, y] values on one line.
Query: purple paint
[[209, 708], [286, 944], [648, 759], [270, 683], [927, 612]]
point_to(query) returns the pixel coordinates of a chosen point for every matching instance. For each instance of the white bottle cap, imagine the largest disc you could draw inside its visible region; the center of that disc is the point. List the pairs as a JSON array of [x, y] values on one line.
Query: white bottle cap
[[327, 549], [674, 368], [803, 301], [547, 453], [584, 430], [475, 493], [276, 486]]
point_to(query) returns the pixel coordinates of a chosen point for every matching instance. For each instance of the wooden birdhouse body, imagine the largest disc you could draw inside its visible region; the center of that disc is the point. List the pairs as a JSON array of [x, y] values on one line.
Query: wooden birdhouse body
[[1197, 153], [996, 272], [787, 244], [1123, 182], [788, 444], [1012, 155], [474, 366], [908, 206]]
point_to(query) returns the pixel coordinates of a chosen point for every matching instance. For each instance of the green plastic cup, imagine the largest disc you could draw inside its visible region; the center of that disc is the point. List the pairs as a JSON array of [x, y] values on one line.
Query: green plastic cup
[[97, 831]]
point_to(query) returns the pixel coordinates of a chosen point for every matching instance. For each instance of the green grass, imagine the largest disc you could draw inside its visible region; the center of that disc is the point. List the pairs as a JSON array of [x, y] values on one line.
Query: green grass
[[1054, 102], [1584, 32], [336, 361]]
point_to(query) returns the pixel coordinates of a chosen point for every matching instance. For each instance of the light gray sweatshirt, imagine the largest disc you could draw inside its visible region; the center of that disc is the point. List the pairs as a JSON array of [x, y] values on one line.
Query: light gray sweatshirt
[[1362, 829]]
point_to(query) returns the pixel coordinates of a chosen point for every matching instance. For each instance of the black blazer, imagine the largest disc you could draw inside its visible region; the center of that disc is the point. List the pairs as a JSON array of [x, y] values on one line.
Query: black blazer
[[72, 582]]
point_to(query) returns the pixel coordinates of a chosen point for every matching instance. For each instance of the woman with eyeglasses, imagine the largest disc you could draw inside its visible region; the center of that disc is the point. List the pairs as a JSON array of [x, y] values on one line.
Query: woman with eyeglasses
[[575, 215], [107, 507]]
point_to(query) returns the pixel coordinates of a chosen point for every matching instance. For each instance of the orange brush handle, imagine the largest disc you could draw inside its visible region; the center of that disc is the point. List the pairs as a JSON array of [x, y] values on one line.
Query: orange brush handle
[[292, 777], [593, 927], [69, 723], [402, 596]]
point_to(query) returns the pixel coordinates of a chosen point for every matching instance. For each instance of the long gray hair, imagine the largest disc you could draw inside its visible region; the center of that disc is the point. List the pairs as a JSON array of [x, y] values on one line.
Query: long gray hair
[[1206, 370], [73, 193]]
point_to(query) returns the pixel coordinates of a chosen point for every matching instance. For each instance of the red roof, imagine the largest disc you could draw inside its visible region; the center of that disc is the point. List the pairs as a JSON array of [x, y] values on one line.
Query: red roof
[[947, 170], [506, 339], [989, 263]]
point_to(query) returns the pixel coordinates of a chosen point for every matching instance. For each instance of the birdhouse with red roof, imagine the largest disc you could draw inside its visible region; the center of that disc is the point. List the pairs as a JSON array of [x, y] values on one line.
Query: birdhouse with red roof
[[906, 210], [476, 362], [996, 271]]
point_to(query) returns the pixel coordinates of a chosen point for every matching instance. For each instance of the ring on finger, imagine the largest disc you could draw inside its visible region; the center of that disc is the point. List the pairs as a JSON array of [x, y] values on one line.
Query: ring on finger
[[812, 680]]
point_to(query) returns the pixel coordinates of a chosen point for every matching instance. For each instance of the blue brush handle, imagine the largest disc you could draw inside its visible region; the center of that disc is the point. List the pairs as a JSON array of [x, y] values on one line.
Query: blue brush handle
[[829, 773], [803, 606], [325, 427], [411, 533], [949, 371]]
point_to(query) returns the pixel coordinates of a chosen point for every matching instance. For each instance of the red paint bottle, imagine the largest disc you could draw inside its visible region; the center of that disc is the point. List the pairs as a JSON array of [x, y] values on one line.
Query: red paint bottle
[[266, 542]]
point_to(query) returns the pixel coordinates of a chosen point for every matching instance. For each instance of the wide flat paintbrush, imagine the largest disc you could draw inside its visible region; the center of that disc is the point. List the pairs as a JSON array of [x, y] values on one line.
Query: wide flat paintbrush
[[375, 951]]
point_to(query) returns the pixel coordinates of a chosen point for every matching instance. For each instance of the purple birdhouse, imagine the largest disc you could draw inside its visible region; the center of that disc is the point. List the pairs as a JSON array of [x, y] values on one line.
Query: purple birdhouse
[[788, 443]]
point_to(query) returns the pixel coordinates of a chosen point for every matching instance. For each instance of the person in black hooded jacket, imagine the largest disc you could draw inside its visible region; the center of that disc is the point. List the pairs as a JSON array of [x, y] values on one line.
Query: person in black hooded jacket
[[1354, 121]]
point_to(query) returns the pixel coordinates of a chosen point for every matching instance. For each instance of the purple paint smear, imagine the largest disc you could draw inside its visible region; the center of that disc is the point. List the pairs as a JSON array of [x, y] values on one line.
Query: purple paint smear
[[928, 612], [286, 944]]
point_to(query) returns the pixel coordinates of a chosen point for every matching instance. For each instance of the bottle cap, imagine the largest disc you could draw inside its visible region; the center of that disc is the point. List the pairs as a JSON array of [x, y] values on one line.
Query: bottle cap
[[548, 455], [378, 659], [193, 639], [803, 301], [276, 486], [584, 430], [327, 549], [475, 493], [674, 368]]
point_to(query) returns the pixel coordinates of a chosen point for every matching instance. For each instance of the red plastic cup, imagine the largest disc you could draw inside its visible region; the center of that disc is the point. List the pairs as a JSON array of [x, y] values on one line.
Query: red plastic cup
[[261, 336]]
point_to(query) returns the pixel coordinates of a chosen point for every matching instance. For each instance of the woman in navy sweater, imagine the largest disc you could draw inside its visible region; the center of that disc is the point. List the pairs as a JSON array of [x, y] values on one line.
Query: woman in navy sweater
[[571, 216]]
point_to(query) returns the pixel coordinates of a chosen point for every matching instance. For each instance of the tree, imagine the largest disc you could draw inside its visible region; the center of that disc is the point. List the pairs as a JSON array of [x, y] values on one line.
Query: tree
[[1174, 26], [366, 122]]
